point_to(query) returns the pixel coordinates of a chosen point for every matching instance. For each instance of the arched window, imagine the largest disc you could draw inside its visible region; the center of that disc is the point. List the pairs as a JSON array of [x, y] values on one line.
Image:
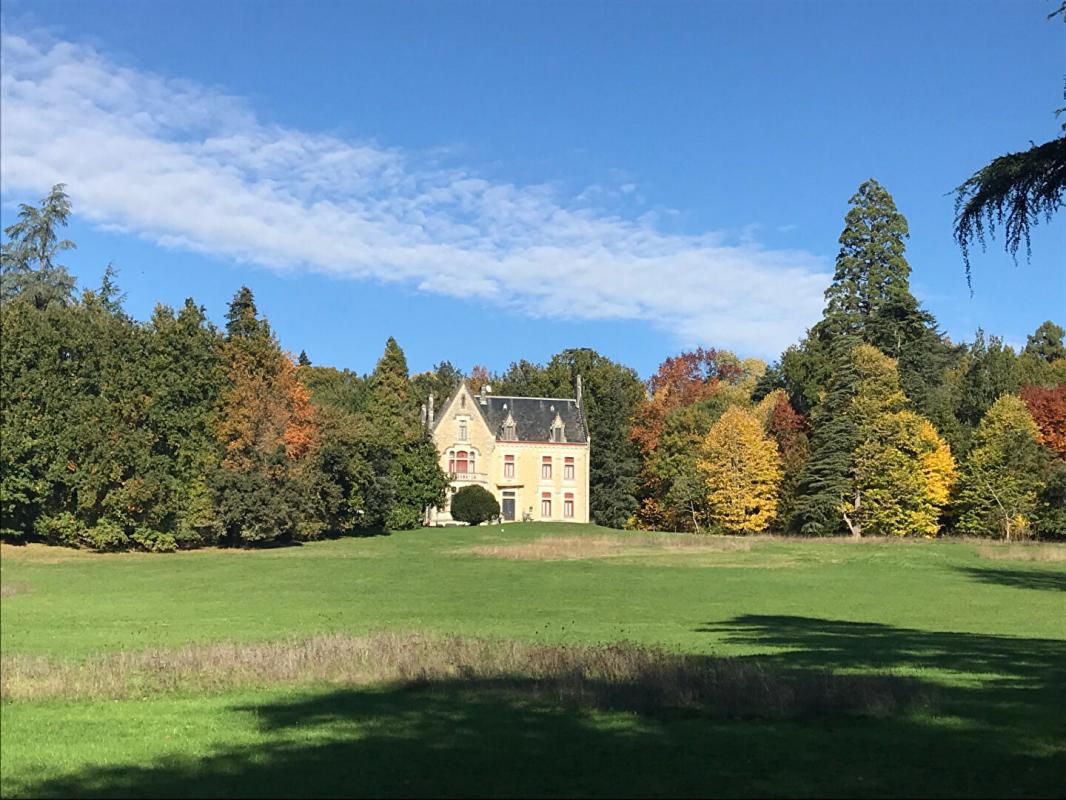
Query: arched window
[[451, 461], [461, 462], [473, 464]]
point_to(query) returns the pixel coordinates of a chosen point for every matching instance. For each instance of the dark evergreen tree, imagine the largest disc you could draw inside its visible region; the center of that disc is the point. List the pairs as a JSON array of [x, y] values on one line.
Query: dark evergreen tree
[[989, 370], [1046, 343], [390, 405], [826, 479], [27, 258], [611, 394], [303, 360]]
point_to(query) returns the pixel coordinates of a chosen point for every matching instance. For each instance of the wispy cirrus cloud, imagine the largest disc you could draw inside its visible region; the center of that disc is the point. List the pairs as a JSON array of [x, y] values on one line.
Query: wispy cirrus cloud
[[188, 166]]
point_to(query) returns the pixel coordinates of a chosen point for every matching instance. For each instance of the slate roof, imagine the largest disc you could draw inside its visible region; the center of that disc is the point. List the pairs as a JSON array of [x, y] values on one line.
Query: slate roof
[[533, 417]]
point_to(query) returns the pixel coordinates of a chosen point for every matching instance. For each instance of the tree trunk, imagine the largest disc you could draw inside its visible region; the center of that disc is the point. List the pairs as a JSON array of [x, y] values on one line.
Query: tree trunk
[[856, 527]]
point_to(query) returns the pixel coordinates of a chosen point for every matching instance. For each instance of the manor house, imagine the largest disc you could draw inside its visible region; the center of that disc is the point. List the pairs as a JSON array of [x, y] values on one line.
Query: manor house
[[532, 453]]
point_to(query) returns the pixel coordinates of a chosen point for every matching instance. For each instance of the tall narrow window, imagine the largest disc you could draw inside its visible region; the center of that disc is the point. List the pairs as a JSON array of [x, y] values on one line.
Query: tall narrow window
[[568, 468], [461, 463], [451, 461], [473, 465], [546, 505], [462, 430], [568, 505], [508, 466], [546, 468]]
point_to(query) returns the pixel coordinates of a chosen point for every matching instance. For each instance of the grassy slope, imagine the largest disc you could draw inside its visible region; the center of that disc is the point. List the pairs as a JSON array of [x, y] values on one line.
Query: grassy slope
[[992, 634]]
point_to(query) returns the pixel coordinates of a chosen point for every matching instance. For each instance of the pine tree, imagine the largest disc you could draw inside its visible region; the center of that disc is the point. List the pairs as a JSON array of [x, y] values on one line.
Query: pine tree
[[870, 298], [865, 385], [390, 406], [1003, 475], [405, 462], [614, 462], [27, 259], [871, 269], [1046, 343], [827, 478]]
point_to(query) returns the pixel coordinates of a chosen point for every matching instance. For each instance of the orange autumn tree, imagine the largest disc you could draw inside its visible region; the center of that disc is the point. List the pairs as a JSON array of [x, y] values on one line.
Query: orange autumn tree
[[1048, 407], [789, 429], [668, 427], [479, 378], [267, 428]]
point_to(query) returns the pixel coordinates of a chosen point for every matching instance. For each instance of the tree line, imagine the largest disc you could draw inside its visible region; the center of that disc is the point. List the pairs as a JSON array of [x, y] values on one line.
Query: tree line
[[172, 433]]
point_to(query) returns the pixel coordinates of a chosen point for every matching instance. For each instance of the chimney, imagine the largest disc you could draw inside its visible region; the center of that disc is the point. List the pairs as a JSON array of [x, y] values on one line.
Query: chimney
[[579, 391], [430, 411], [486, 390]]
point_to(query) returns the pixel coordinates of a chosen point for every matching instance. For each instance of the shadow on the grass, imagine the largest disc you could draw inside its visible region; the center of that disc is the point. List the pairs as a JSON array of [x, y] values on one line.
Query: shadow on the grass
[[1046, 580], [1000, 735]]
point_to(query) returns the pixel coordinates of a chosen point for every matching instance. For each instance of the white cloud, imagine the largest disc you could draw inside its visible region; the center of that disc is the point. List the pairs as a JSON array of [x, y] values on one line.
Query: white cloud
[[188, 166]]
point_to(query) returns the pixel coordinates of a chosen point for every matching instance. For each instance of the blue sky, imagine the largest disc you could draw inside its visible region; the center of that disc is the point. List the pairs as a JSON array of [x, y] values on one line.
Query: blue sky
[[495, 181]]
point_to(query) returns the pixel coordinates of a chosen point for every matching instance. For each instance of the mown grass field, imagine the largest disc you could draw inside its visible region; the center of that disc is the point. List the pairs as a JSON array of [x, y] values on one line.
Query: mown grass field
[[947, 663]]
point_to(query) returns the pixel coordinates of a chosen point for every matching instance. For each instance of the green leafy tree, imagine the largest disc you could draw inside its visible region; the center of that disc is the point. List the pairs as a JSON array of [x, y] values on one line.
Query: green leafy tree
[[1004, 474], [441, 382], [185, 374], [474, 505], [1050, 516], [335, 388]]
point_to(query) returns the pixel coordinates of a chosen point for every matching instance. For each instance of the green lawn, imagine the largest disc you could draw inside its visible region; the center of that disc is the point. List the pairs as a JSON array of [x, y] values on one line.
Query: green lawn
[[988, 635]]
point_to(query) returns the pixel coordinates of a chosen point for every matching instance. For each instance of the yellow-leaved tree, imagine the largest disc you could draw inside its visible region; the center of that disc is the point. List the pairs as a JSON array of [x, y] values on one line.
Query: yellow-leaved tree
[[742, 470], [904, 473]]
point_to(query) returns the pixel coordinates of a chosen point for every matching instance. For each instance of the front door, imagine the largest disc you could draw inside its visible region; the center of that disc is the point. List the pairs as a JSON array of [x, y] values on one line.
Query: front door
[[508, 507]]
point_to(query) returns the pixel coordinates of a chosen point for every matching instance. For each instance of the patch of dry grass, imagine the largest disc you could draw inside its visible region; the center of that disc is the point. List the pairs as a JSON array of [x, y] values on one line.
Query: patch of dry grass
[[617, 676], [1023, 551], [12, 589], [574, 548]]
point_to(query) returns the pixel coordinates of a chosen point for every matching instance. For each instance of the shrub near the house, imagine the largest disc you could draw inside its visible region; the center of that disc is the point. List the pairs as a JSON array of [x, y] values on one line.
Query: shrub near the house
[[474, 505]]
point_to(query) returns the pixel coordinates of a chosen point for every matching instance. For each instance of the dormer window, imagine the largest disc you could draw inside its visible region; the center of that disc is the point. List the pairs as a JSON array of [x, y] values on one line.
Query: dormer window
[[509, 431], [557, 433]]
